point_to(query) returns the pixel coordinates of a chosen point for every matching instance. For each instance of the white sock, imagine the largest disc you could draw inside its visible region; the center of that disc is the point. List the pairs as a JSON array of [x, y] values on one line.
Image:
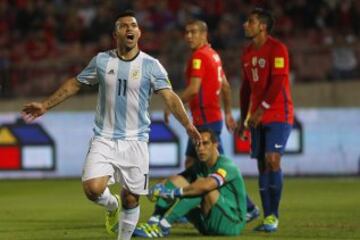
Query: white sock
[[108, 200], [127, 222], [165, 223]]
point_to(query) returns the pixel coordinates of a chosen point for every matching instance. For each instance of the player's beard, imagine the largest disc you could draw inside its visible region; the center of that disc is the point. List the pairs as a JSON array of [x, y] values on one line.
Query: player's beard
[[253, 35]]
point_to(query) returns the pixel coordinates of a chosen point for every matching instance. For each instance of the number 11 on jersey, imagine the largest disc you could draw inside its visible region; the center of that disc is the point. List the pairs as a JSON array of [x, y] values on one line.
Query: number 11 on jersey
[[122, 87]]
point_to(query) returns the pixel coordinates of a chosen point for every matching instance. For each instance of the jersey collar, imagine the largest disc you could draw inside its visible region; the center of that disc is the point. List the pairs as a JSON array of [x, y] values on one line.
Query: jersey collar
[[127, 60]]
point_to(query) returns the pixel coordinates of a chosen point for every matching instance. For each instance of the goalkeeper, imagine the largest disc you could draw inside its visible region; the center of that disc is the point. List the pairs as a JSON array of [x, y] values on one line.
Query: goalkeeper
[[211, 195]]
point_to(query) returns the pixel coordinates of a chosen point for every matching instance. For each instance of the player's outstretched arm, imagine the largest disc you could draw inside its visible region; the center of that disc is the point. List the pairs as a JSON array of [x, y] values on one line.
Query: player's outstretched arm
[[34, 110], [187, 95], [176, 107]]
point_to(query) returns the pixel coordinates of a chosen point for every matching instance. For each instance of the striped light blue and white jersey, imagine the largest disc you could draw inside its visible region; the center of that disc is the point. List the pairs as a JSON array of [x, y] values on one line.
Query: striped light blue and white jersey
[[125, 89]]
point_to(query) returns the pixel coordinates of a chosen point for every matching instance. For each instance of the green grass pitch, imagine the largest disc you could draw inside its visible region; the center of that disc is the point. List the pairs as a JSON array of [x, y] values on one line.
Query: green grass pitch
[[311, 208]]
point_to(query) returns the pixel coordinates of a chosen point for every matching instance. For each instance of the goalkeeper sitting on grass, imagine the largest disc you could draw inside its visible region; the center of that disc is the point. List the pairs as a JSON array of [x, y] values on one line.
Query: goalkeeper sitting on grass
[[211, 195]]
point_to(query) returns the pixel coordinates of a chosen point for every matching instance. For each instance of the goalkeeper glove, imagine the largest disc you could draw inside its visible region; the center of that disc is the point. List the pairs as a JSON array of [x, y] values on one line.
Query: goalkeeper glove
[[171, 193], [154, 191], [159, 190]]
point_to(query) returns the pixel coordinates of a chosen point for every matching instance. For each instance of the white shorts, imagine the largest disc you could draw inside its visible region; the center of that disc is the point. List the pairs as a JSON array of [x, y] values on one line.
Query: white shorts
[[126, 162]]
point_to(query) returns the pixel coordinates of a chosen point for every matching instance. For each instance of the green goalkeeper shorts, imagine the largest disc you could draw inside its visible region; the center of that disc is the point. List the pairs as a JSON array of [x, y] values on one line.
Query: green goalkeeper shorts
[[222, 220]]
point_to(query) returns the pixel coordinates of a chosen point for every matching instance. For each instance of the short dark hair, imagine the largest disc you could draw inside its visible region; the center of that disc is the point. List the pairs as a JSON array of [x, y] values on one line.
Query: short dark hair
[[213, 136], [126, 13], [200, 23], [265, 17]]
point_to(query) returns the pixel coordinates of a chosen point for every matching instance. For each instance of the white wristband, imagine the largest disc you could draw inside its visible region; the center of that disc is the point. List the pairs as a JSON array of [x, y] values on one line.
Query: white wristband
[[265, 105]]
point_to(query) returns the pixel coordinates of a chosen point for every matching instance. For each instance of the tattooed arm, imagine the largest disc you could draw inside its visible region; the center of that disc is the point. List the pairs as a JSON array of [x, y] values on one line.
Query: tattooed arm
[[33, 110]]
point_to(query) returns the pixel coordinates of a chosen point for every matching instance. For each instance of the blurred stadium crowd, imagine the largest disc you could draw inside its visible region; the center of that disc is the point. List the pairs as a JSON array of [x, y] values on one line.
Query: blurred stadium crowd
[[44, 41]]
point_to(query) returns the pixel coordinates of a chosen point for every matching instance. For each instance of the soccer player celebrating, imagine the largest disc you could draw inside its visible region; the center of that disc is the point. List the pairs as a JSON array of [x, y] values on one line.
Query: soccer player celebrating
[[211, 195], [206, 84], [119, 150], [267, 108]]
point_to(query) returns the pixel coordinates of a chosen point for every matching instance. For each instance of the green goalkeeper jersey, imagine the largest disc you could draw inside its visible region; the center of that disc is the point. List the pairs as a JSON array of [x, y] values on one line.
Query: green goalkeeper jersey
[[230, 183]]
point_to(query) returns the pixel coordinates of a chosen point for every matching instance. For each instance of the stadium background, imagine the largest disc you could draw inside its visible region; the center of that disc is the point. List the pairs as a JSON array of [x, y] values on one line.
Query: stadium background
[[43, 42]]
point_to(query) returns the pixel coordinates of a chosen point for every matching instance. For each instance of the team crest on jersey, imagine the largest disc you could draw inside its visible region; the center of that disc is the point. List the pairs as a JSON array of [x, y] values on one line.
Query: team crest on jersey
[[279, 62], [254, 61], [261, 62], [135, 74], [196, 64]]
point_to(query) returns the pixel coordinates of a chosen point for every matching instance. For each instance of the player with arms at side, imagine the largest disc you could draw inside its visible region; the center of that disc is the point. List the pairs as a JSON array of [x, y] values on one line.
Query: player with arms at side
[[206, 83], [119, 150], [211, 194], [267, 108]]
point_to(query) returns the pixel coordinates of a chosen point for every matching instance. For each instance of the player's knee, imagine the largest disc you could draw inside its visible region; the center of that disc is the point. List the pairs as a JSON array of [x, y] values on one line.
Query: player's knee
[[211, 197], [129, 200], [178, 181], [93, 191], [95, 187], [273, 161], [209, 200]]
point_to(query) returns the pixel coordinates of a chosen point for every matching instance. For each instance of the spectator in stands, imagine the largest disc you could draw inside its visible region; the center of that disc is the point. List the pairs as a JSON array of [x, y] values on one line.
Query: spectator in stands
[[82, 23], [345, 64]]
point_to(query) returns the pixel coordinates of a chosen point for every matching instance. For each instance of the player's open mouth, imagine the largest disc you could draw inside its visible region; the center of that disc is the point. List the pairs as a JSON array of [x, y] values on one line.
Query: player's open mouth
[[130, 36]]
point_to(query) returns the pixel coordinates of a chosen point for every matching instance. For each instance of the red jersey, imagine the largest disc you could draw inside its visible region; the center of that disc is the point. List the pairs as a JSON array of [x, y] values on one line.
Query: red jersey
[[266, 75], [206, 64]]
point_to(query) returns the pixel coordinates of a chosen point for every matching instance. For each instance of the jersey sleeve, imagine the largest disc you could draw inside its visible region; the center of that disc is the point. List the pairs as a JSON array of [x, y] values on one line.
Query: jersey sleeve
[[88, 75], [197, 66], [245, 92], [222, 72], [159, 77], [279, 60], [223, 174], [273, 90]]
